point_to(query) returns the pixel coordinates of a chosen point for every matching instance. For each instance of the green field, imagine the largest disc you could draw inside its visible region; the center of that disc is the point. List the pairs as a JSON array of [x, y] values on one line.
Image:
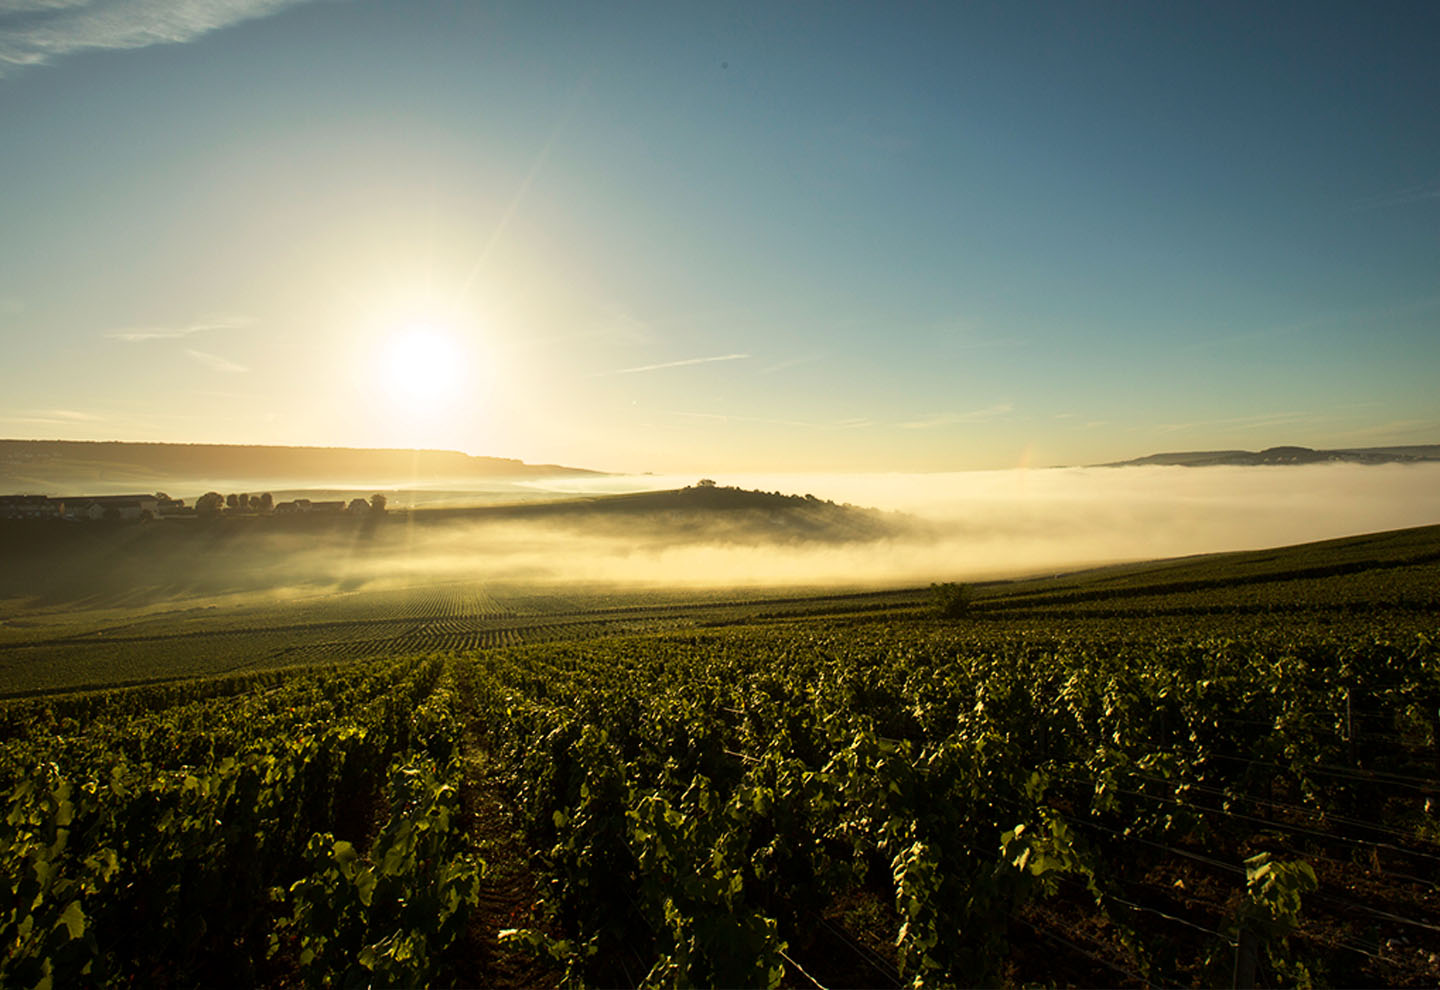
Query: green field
[[1210, 771]]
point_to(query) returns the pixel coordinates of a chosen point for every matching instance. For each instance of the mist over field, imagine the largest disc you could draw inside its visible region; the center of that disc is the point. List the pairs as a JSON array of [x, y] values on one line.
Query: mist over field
[[923, 528], [1008, 523]]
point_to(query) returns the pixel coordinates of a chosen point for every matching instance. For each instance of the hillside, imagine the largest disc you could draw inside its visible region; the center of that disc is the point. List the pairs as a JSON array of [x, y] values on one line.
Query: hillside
[[69, 465], [698, 514], [1288, 455], [182, 557], [1391, 570]]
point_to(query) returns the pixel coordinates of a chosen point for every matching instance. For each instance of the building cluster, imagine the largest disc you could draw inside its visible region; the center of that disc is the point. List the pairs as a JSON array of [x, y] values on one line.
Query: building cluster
[[264, 505], [357, 506], [137, 508], [90, 507]]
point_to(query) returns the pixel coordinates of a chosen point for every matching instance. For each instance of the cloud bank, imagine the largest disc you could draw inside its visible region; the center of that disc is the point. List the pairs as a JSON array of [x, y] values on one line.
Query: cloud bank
[[36, 32]]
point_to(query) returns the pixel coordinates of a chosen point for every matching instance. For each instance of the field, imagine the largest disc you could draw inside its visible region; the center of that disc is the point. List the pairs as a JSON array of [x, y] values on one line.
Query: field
[[1221, 770], [47, 648]]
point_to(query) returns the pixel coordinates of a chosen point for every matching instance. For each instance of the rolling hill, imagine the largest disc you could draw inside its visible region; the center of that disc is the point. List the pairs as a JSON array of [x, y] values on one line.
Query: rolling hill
[[1288, 455], [71, 465]]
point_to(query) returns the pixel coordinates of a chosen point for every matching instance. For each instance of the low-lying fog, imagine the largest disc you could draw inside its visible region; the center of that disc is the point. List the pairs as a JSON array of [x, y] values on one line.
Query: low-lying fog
[[1004, 523], [962, 526]]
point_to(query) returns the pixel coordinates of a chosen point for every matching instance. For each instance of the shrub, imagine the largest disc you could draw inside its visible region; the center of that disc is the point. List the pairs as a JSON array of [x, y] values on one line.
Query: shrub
[[951, 600]]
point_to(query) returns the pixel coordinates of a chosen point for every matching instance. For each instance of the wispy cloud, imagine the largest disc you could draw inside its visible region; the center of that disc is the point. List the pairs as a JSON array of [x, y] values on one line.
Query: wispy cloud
[[1074, 421], [215, 362], [54, 417], [844, 424], [1398, 431], [952, 419], [1340, 318], [1243, 422], [132, 335], [70, 415], [35, 32], [675, 364], [793, 362]]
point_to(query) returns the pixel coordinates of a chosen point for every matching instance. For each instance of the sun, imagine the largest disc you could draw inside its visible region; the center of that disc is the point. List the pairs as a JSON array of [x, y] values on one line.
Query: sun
[[422, 366]]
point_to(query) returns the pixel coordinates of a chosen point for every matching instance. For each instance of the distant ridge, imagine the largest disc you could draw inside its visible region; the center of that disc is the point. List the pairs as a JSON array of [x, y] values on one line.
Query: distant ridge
[[1289, 455], [57, 464]]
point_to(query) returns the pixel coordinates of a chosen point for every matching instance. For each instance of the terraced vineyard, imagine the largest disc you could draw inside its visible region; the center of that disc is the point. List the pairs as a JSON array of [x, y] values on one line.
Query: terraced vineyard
[[831, 791]]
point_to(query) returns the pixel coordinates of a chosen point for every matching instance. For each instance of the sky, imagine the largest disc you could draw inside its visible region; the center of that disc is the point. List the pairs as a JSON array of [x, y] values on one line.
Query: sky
[[722, 237]]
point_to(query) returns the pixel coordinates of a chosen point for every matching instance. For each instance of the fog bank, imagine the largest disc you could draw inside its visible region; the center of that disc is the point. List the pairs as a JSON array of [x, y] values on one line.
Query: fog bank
[[964, 526], [1002, 523]]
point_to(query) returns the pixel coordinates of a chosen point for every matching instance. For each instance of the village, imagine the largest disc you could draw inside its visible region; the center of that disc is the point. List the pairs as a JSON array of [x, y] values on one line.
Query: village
[[143, 508]]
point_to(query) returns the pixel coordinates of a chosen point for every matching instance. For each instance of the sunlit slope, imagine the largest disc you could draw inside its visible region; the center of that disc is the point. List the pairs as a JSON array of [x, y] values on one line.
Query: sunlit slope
[[1406, 556]]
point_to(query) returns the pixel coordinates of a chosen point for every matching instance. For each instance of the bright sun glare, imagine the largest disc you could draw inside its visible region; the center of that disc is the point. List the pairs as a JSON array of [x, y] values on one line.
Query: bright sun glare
[[422, 366]]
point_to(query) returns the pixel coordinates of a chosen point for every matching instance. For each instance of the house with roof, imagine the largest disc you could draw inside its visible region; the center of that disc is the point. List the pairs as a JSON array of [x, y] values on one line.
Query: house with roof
[[127, 507], [31, 507]]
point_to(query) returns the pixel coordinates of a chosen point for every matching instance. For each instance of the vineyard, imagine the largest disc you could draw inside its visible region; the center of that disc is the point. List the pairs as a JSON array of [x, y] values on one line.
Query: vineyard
[[76, 648], [1044, 792]]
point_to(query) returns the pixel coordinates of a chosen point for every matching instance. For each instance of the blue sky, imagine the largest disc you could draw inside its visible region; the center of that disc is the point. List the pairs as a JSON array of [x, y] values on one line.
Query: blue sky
[[680, 237]]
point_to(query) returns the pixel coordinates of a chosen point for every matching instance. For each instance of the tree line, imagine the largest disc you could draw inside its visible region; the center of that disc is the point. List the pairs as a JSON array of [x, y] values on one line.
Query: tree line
[[214, 503]]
